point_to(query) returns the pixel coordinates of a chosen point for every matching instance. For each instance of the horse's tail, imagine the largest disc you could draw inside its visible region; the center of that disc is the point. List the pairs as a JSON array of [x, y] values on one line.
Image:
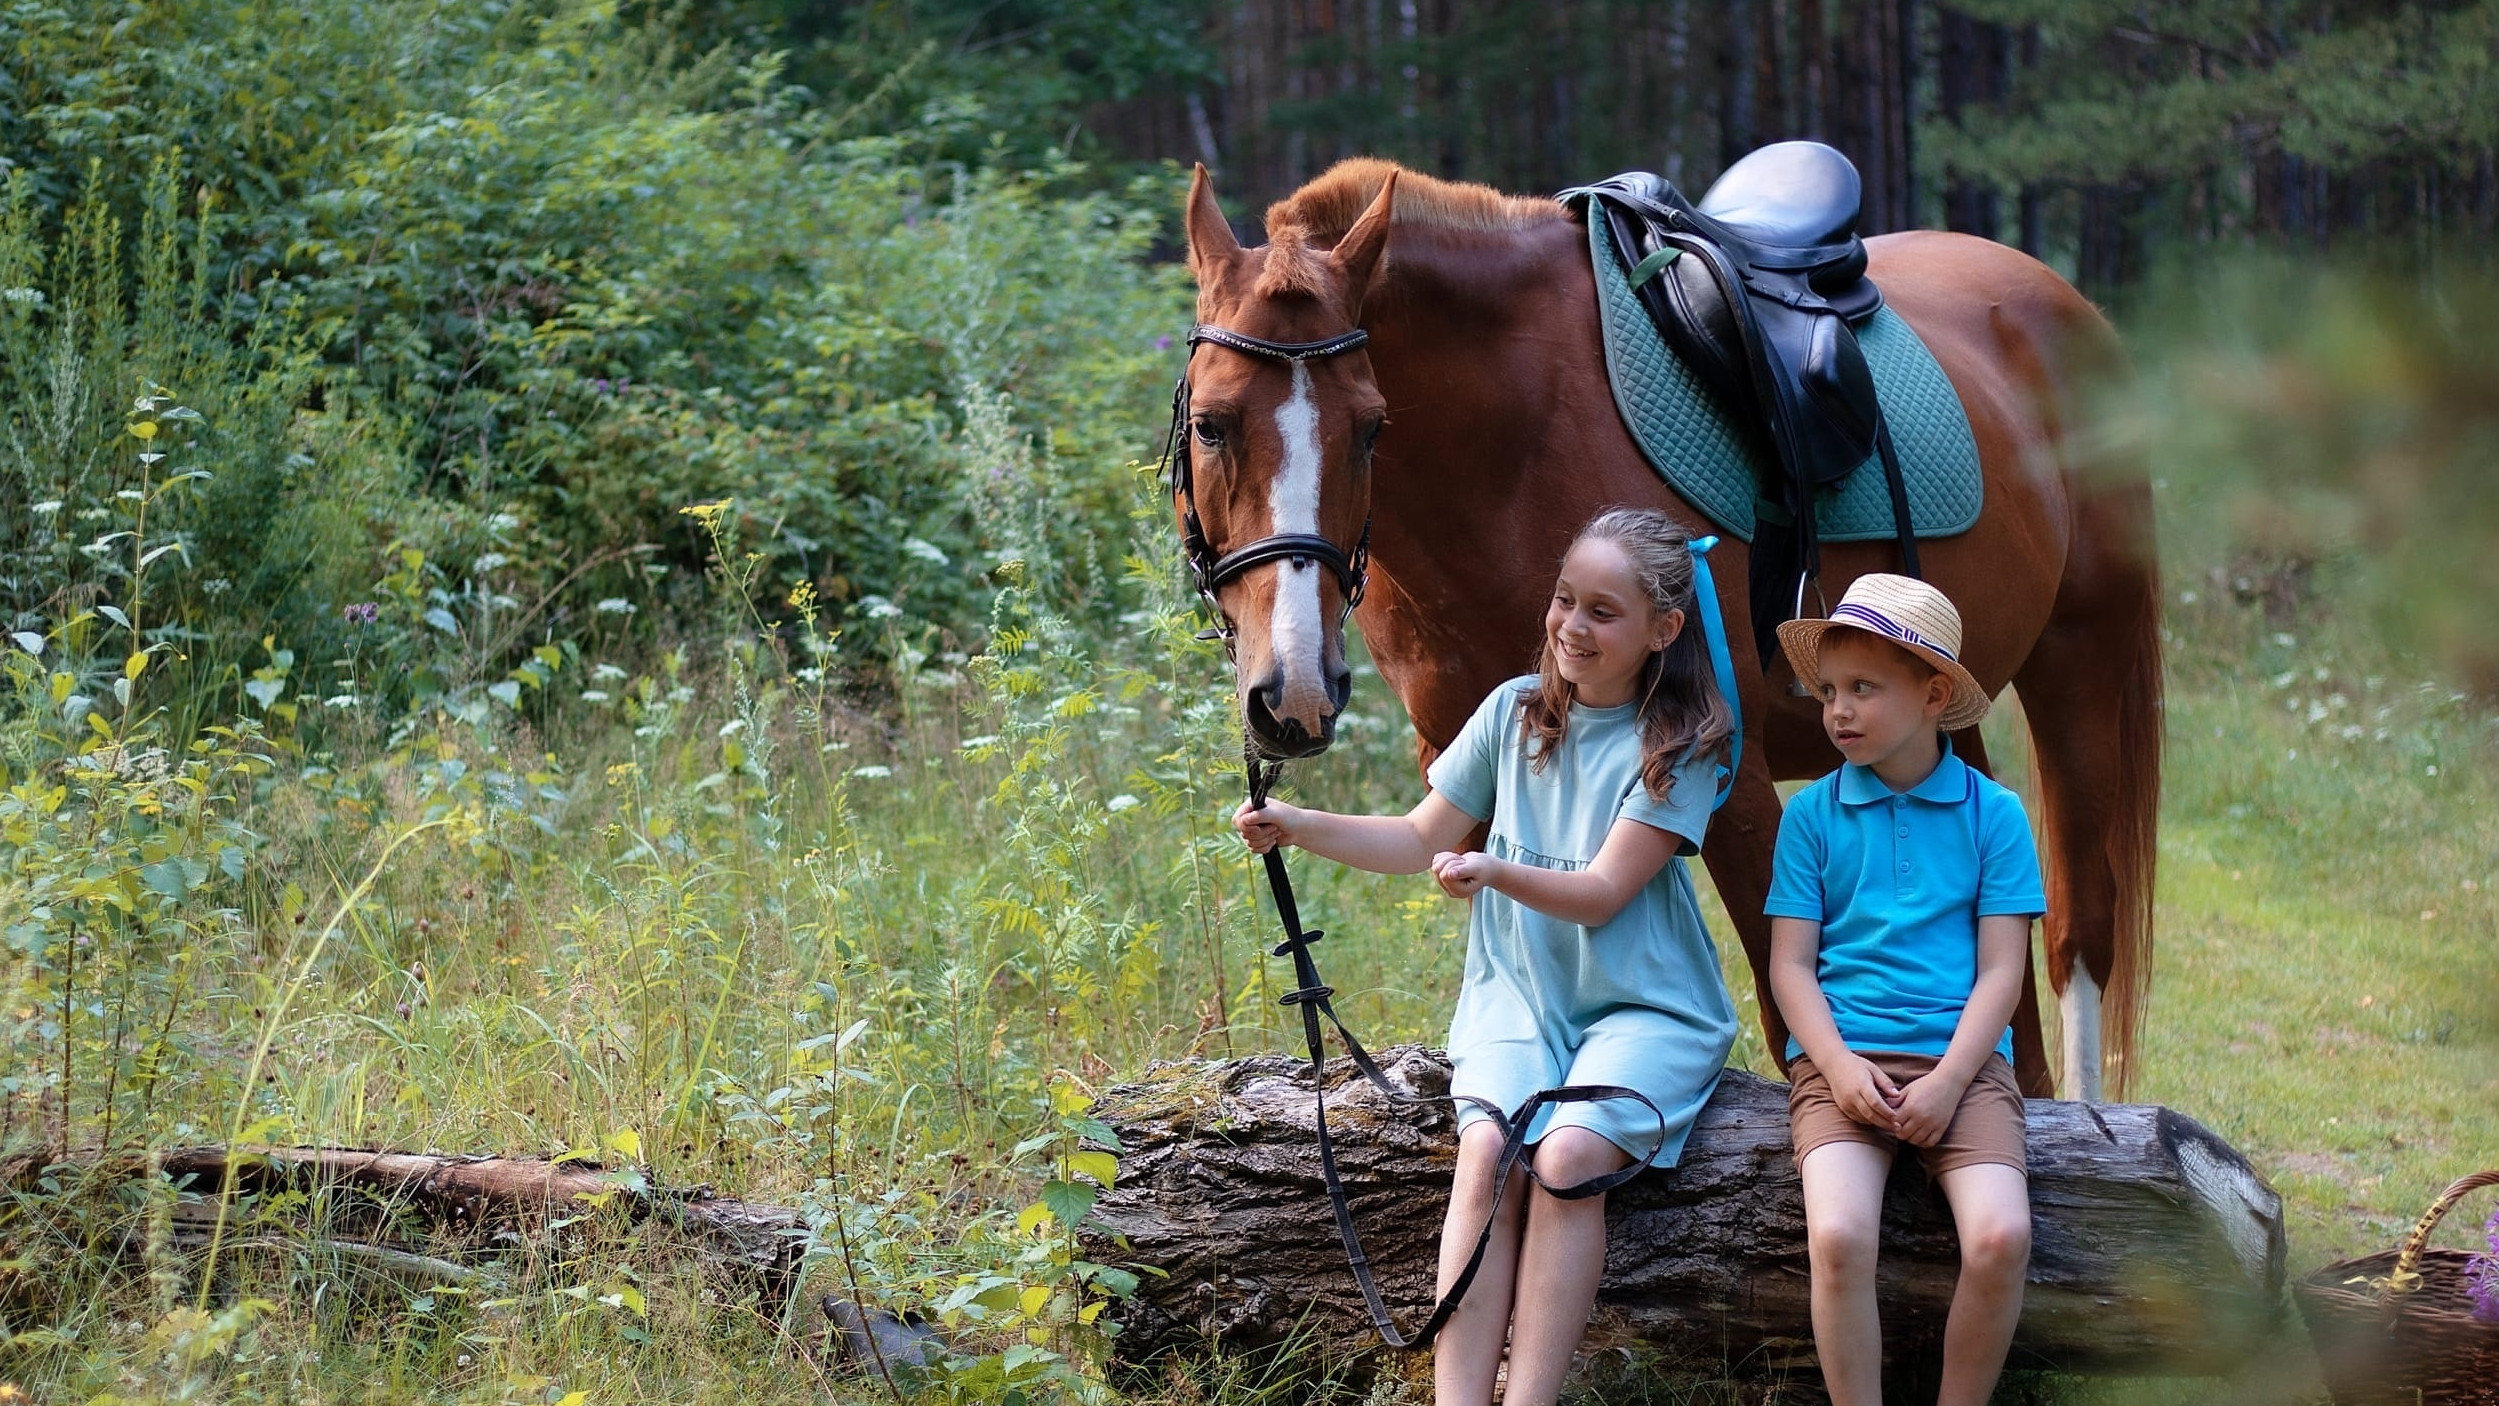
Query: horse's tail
[[2134, 821]]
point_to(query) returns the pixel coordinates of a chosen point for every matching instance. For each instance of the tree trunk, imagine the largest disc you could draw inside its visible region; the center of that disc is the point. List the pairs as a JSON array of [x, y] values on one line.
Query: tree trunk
[[2156, 1248]]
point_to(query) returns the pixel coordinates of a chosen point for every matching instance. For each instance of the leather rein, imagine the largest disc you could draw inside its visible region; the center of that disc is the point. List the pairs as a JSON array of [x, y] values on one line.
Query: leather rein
[[1312, 995]]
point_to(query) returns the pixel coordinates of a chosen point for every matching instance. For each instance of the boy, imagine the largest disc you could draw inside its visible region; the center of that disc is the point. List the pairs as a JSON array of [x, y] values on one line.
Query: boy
[[1901, 898]]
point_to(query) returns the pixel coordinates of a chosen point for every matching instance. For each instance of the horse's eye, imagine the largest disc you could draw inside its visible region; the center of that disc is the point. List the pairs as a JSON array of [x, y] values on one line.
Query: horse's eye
[[1209, 434], [1367, 437]]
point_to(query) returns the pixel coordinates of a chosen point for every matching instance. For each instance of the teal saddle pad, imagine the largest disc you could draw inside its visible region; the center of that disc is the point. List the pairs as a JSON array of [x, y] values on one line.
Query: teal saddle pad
[[1689, 441]]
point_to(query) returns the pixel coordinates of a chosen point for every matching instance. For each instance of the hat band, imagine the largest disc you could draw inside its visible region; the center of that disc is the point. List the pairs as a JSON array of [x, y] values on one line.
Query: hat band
[[1850, 612]]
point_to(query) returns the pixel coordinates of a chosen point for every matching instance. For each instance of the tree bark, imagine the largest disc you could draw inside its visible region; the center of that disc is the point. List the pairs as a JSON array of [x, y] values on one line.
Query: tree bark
[[2156, 1248]]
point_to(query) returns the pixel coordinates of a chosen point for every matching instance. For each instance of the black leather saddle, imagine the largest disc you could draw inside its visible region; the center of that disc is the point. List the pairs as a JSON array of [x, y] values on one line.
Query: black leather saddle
[[1757, 288]]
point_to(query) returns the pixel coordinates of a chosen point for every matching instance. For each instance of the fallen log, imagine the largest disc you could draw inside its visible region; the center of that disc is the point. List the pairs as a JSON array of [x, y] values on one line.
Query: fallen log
[[379, 1212], [2156, 1247], [394, 1211]]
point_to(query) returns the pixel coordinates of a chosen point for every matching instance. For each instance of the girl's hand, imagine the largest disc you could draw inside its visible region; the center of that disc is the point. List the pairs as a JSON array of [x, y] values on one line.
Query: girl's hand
[[1460, 875], [1866, 1094], [1264, 828], [1925, 1110]]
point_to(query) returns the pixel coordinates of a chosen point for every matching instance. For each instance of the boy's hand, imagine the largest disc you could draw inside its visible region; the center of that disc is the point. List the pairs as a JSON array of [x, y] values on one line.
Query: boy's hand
[[1264, 828], [1925, 1110], [1460, 875], [1865, 1093]]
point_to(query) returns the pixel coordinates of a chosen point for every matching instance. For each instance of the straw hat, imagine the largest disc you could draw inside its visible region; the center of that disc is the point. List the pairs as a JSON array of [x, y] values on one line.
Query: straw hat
[[1909, 613]]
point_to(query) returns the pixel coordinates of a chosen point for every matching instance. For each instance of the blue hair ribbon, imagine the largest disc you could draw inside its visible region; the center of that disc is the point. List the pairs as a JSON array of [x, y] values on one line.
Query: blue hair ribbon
[[1721, 664]]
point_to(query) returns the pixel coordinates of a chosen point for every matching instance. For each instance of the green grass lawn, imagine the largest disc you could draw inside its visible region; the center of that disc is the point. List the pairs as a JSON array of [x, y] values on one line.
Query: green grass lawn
[[654, 956]]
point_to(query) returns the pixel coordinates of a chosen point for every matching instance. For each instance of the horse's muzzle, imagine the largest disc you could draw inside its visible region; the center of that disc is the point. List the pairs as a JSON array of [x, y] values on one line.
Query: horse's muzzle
[[1283, 739]]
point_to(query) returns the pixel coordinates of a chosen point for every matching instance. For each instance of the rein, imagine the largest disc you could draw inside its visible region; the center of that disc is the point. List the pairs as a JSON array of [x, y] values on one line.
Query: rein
[[1313, 996], [1310, 993]]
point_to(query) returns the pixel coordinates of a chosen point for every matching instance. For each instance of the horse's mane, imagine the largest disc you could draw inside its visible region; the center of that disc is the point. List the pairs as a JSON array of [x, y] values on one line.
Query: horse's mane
[[1316, 216]]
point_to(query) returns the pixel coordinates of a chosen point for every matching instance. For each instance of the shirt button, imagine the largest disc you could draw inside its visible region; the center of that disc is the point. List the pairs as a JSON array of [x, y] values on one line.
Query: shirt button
[[1904, 832], [1904, 868]]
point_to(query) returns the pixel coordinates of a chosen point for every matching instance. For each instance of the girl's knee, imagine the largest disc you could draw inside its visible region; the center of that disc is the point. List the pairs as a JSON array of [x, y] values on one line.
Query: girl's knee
[[1479, 1156], [1569, 1156]]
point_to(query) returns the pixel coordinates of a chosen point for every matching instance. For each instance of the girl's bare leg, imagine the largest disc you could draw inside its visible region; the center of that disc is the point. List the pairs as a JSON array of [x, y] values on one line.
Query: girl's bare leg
[[1467, 1355], [1559, 1265], [1991, 1211], [1843, 1230]]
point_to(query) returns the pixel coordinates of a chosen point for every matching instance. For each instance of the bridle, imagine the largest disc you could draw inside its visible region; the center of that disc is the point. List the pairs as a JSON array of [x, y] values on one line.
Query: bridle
[[1211, 571], [1310, 994]]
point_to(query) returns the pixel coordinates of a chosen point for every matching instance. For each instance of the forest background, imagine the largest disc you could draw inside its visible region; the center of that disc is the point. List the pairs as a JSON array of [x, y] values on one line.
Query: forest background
[[577, 579]]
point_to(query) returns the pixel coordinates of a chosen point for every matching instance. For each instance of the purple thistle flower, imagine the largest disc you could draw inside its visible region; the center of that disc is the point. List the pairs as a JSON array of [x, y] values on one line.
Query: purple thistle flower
[[1163, 342], [2481, 1276], [363, 612]]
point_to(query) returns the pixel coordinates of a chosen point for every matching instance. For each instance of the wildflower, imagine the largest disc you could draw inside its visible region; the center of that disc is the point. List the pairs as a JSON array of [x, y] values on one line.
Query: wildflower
[[802, 596], [615, 605], [707, 514], [1163, 342], [363, 612], [22, 295], [2481, 1275]]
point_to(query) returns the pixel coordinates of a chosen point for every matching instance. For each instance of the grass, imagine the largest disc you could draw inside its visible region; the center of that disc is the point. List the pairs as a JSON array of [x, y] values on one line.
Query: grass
[[855, 962]]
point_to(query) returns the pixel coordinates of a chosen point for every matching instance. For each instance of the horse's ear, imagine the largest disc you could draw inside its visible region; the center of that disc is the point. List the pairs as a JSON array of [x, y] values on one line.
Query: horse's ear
[[1358, 253], [1211, 241]]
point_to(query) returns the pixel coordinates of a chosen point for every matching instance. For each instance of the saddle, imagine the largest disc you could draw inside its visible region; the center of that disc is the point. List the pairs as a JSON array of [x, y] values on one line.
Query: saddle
[[1757, 289]]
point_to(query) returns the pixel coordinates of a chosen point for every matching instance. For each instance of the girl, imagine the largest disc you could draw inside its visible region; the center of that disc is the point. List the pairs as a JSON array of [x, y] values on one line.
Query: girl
[[1586, 959]]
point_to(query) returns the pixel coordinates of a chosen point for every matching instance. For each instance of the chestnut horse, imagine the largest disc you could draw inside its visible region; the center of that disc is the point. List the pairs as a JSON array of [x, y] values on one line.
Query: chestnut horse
[[1475, 433]]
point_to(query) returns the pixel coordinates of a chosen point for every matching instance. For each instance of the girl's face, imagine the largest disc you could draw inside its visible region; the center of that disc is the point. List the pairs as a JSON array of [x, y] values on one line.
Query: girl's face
[[1600, 626]]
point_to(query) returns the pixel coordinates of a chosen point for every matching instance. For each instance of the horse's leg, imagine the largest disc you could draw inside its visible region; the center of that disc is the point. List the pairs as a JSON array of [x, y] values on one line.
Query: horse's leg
[[2092, 692], [1741, 836], [2030, 1046]]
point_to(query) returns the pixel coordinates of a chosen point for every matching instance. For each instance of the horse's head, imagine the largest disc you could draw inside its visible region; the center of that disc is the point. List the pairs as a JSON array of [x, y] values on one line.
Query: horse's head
[[1272, 480]]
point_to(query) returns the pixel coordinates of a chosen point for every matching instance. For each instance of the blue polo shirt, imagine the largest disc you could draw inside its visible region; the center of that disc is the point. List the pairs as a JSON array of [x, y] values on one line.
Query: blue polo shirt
[[1898, 882]]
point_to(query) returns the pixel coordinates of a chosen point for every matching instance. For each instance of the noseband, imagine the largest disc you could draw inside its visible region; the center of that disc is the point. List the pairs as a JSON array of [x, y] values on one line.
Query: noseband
[[1209, 570]]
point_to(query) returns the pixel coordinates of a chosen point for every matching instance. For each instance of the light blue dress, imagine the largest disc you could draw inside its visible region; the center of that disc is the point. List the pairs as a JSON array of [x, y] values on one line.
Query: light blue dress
[[1638, 1001]]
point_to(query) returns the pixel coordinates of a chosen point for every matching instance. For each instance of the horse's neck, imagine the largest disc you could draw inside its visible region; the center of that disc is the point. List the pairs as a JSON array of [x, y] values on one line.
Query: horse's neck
[[1485, 347]]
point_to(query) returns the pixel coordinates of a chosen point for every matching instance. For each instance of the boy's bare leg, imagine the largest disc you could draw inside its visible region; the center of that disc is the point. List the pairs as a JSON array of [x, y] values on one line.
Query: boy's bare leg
[[1843, 1231], [1559, 1265], [1467, 1354], [1991, 1212]]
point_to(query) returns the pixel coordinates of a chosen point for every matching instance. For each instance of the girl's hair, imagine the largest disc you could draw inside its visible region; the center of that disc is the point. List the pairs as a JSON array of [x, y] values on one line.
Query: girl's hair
[[1681, 710]]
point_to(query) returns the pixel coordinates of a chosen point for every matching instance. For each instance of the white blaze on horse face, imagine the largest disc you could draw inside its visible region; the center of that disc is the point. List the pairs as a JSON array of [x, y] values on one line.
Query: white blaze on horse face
[[1296, 639]]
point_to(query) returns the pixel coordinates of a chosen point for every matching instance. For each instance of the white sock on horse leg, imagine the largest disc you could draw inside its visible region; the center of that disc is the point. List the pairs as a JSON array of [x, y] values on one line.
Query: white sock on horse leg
[[2079, 1008]]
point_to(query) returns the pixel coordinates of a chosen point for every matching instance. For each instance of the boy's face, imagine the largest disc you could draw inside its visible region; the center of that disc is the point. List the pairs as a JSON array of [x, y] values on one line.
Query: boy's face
[[1876, 697]]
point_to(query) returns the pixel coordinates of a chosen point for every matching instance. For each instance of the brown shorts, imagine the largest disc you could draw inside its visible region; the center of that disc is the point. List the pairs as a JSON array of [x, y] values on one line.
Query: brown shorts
[[1987, 1127]]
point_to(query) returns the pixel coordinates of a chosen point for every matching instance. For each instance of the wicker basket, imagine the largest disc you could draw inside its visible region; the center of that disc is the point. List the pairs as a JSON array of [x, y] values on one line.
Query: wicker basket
[[2396, 1327]]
